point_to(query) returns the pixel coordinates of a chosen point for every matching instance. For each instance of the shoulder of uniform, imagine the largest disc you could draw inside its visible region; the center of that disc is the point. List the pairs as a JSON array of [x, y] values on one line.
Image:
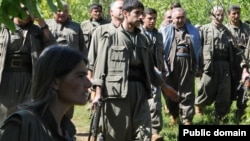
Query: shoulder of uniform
[[206, 26], [143, 36], [156, 31], [245, 25], [85, 22], [74, 23], [49, 21], [105, 21]]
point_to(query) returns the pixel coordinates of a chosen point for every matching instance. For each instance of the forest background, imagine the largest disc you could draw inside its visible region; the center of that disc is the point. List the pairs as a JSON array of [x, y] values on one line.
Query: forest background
[[197, 13], [197, 10]]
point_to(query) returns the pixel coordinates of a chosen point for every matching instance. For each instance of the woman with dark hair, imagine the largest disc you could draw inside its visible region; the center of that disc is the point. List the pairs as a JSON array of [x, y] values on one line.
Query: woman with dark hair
[[59, 82]]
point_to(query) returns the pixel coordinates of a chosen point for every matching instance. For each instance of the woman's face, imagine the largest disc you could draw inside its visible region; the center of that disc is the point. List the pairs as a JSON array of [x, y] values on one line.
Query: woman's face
[[73, 88]]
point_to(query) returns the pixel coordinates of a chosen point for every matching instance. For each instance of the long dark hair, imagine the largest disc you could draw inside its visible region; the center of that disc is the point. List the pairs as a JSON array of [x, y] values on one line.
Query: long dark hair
[[54, 62]]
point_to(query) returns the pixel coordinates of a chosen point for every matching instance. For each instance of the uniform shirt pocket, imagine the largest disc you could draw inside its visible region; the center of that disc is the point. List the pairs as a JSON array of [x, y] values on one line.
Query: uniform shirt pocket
[[117, 53], [113, 86]]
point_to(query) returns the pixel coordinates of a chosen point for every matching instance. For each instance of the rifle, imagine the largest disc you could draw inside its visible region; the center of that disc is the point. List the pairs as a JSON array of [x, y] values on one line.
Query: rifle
[[245, 85], [95, 119], [242, 46]]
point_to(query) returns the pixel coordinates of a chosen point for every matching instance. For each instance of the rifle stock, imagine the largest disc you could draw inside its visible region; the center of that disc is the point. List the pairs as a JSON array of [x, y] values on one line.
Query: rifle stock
[[95, 119], [245, 86]]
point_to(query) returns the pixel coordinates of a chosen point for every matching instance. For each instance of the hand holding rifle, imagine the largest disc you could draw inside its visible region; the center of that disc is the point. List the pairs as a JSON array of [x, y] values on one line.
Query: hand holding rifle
[[95, 117]]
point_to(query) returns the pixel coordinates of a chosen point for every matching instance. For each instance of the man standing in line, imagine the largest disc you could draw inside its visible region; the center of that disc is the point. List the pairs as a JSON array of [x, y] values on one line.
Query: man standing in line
[[167, 19], [88, 26], [215, 83], [182, 55], [19, 50], [123, 75], [155, 42], [240, 32], [102, 30], [65, 31]]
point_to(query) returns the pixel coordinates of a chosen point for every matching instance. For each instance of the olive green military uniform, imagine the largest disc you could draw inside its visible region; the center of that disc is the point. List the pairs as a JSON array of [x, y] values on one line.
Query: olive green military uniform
[[102, 30], [241, 36], [18, 53], [155, 42], [31, 126], [125, 70], [68, 34], [215, 83], [88, 27]]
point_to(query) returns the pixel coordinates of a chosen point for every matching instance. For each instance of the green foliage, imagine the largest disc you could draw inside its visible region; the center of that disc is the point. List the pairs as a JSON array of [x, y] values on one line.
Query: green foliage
[[12, 8], [170, 132], [79, 9], [197, 10], [160, 5]]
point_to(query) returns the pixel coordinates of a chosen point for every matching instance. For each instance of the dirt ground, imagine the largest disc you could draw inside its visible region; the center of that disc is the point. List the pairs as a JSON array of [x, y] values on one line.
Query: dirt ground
[[81, 135], [81, 121]]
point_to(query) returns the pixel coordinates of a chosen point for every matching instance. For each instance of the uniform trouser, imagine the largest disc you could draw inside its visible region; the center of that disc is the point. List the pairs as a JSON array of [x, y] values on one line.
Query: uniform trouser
[[128, 119], [14, 90], [216, 87], [3, 112], [182, 80], [155, 110]]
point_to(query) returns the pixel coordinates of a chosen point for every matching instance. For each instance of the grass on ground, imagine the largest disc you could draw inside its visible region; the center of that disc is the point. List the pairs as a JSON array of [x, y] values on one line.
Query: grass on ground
[[169, 132]]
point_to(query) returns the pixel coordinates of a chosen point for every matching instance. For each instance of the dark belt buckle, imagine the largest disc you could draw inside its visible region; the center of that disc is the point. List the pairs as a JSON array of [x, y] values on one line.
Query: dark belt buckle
[[16, 63]]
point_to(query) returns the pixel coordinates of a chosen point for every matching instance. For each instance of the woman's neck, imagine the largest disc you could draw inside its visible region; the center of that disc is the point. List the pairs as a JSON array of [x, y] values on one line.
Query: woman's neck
[[58, 111]]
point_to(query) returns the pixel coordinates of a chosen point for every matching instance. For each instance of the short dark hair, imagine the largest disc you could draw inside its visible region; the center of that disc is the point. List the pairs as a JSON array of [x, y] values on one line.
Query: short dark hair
[[95, 6], [233, 7], [129, 5], [149, 11], [175, 5]]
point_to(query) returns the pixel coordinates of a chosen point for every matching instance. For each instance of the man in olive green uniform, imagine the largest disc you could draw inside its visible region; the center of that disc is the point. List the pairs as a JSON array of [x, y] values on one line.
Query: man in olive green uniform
[[65, 31], [240, 31], [89, 26], [182, 55], [215, 83], [123, 75], [19, 50], [155, 42], [102, 30]]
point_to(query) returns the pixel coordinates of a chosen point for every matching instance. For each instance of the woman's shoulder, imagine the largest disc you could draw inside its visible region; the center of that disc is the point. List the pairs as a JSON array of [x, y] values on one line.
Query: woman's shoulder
[[27, 123], [17, 117]]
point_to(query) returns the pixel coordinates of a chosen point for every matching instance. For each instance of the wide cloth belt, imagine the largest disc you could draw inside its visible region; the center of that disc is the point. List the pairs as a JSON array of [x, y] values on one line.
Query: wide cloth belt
[[18, 62], [137, 73], [182, 51]]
